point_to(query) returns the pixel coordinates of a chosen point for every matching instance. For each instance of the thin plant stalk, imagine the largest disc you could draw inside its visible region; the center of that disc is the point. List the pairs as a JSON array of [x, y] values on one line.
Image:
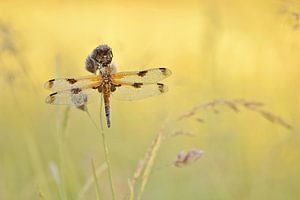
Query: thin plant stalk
[[96, 180], [62, 191], [89, 182], [106, 154]]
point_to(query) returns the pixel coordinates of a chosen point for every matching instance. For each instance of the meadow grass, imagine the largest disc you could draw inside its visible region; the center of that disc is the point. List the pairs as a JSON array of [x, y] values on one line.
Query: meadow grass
[[217, 52], [144, 169], [105, 149]]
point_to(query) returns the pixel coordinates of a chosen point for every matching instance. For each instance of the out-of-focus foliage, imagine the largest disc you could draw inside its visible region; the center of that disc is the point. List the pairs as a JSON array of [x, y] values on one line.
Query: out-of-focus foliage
[[215, 49]]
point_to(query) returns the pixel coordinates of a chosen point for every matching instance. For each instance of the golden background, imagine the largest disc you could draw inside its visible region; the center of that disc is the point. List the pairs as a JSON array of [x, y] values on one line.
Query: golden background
[[215, 49]]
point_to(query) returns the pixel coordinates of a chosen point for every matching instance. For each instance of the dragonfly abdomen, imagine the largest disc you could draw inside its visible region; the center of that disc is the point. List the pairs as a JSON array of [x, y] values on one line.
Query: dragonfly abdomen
[[106, 95], [107, 115]]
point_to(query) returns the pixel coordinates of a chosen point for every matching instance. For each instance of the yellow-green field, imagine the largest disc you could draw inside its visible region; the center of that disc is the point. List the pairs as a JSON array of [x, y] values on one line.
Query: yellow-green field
[[225, 50]]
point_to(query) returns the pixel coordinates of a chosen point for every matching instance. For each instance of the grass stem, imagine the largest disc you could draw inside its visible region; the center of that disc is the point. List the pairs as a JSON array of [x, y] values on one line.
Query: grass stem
[[96, 180], [106, 154], [105, 147]]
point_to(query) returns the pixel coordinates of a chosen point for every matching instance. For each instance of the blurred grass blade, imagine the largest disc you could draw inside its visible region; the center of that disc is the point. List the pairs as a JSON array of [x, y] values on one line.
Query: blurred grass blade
[[41, 193], [131, 190], [89, 182], [65, 120], [58, 179], [96, 180], [149, 162]]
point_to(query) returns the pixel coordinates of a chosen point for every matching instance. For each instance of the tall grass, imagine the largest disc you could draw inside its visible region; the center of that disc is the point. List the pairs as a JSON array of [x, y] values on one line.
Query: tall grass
[[140, 178], [106, 153], [105, 146]]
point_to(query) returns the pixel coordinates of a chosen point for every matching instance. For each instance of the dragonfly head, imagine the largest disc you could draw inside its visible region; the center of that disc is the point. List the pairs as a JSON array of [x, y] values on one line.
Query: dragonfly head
[[102, 55]]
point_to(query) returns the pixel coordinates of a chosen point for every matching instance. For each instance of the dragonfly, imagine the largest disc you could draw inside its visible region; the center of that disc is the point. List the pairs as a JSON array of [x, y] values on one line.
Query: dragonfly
[[131, 85]]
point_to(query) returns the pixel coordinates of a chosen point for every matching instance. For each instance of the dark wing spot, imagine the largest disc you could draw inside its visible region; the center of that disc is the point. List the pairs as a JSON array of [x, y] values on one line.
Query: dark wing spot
[[142, 73], [51, 98], [75, 90], [53, 94], [71, 80], [50, 83], [95, 87], [161, 87], [163, 70], [137, 85]]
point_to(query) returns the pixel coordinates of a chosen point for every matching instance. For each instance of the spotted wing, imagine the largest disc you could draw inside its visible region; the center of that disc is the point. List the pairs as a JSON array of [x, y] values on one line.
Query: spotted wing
[[75, 96], [61, 84], [137, 91], [146, 76]]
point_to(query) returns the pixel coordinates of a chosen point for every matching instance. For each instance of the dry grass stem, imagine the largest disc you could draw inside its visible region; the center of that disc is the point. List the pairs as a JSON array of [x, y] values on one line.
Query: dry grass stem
[[145, 167], [275, 119], [234, 106], [151, 155], [181, 132]]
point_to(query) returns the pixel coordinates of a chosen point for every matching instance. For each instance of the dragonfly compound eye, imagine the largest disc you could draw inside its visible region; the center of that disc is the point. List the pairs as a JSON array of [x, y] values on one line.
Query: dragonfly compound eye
[[103, 55]]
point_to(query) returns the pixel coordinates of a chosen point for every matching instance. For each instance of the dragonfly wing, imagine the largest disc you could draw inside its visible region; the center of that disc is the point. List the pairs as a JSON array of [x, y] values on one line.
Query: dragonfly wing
[[138, 91], [146, 76], [61, 84], [74, 97]]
